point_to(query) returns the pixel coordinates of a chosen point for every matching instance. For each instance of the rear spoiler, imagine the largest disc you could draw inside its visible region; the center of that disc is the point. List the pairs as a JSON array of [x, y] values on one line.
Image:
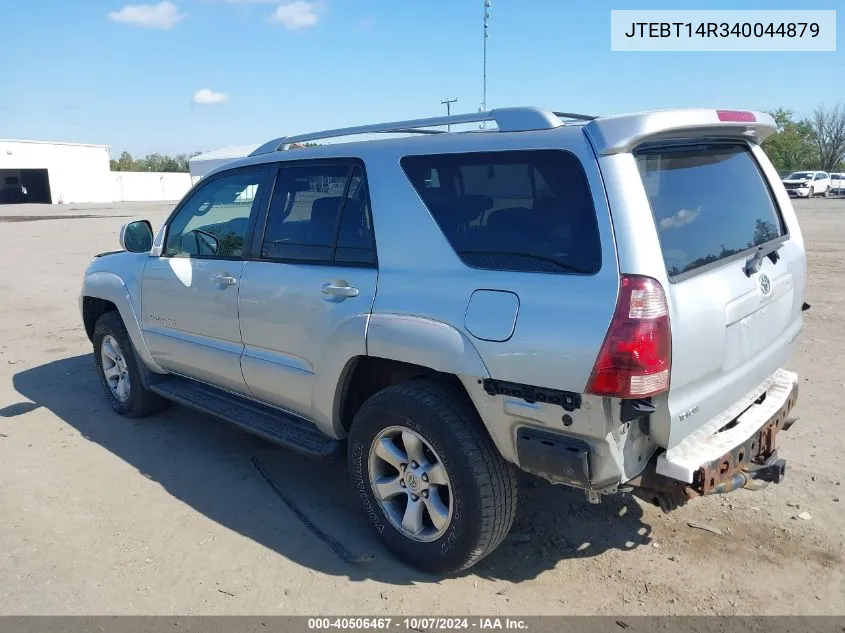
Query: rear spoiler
[[618, 134]]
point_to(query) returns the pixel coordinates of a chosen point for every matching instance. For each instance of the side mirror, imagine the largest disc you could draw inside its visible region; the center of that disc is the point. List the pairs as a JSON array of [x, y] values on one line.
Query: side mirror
[[137, 237]]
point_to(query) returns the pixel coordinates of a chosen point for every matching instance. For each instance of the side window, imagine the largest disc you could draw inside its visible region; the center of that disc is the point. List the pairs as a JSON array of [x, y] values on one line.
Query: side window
[[320, 213], [529, 211], [355, 240], [213, 221]]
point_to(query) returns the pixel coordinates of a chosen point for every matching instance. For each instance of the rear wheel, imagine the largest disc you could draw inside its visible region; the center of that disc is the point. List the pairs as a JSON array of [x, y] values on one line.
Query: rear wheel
[[430, 480], [826, 192], [119, 371]]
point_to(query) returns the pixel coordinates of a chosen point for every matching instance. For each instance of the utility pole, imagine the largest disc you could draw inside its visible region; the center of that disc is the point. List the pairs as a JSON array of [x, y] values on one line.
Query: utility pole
[[487, 5], [448, 103]]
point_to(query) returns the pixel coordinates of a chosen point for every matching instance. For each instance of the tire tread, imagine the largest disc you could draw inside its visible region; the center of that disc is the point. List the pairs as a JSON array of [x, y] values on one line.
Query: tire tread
[[142, 402], [494, 477]]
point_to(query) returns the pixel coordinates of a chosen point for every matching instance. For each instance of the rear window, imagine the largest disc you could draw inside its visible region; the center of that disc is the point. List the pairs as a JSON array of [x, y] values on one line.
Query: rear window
[[709, 202], [528, 211]]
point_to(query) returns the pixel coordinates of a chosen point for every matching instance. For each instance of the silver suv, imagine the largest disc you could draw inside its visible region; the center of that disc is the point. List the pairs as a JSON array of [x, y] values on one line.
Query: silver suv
[[607, 303]]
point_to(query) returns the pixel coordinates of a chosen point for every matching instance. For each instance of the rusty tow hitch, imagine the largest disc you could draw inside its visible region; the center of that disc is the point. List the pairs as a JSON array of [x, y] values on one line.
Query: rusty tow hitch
[[754, 477], [752, 465]]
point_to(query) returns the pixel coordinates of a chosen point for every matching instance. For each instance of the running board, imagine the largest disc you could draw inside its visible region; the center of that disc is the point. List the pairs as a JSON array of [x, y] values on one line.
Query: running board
[[279, 427]]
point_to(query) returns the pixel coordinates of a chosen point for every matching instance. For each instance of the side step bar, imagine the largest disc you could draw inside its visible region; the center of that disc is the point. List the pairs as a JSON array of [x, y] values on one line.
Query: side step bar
[[279, 427]]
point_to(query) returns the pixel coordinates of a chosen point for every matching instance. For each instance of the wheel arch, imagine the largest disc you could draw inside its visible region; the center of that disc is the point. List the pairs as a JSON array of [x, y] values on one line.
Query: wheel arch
[[104, 292], [394, 348]]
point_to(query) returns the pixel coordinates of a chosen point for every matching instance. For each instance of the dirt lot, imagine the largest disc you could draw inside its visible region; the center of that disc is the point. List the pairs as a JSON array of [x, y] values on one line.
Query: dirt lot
[[100, 515]]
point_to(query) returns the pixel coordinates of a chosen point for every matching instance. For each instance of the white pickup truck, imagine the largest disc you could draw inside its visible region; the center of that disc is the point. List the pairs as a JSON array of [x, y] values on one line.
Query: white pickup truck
[[837, 183]]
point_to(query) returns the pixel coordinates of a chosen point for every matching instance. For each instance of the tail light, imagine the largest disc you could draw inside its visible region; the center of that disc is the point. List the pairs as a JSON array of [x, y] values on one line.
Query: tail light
[[636, 356]]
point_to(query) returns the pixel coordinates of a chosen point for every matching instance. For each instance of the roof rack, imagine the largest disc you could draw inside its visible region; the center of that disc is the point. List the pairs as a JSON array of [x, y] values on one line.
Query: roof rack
[[507, 120]]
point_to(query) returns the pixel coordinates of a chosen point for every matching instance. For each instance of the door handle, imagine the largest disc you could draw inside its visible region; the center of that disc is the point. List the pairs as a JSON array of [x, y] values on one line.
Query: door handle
[[224, 280], [339, 289]]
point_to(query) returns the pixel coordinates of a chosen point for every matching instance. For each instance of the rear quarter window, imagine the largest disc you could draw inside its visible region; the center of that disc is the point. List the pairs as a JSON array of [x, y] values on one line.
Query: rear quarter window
[[528, 211], [709, 202]]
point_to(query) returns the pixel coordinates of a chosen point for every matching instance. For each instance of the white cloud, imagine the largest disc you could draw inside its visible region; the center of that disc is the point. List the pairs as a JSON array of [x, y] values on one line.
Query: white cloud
[[209, 97], [298, 14], [679, 219], [163, 15]]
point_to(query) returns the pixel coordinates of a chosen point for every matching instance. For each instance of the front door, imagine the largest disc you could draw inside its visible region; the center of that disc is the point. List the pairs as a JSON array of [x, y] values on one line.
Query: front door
[[189, 295], [305, 298]]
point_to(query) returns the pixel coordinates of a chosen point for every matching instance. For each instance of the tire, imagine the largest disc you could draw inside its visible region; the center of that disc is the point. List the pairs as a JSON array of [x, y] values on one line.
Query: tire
[[826, 193], [138, 401], [481, 494]]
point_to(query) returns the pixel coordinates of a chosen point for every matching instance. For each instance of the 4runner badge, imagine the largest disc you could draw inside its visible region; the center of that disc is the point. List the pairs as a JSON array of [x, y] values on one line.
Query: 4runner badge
[[765, 284], [161, 321]]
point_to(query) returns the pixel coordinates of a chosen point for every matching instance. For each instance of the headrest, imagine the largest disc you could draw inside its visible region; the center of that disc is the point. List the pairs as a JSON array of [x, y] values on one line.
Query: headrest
[[324, 211], [456, 208], [511, 219]]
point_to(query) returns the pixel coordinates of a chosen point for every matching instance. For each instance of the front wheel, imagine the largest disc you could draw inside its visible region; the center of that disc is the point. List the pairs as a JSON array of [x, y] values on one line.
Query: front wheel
[[826, 192], [431, 482], [118, 369]]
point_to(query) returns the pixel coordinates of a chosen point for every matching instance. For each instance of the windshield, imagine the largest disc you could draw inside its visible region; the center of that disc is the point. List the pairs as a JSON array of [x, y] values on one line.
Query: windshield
[[800, 175], [709, 202]]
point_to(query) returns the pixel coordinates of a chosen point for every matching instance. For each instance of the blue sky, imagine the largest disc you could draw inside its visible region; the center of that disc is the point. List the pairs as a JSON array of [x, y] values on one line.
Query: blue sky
[[98, 72]]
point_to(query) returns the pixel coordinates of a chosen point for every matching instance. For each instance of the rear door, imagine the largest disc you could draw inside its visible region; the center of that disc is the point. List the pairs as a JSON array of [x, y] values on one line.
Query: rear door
[[732, 323], [306, 294]]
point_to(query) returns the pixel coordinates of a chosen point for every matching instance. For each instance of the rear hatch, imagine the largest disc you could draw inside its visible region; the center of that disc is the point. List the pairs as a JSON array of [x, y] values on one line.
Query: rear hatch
[[732, 263]]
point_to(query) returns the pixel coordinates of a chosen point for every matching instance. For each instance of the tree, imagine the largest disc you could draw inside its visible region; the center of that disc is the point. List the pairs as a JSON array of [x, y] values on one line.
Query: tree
[[153, 162], [792, 147], [828, 128], [125, 162]]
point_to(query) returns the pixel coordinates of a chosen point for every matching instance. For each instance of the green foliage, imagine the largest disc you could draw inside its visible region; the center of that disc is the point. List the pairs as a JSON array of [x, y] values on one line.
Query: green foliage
[[152, 162], [793, 146]]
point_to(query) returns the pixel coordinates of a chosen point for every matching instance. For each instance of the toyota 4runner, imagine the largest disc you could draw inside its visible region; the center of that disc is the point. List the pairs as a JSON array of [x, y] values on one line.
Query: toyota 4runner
[[607, 303]]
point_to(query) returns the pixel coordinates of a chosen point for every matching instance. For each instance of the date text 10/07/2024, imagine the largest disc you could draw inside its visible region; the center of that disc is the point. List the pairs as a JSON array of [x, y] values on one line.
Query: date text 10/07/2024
[[722, 29], [416, 624]]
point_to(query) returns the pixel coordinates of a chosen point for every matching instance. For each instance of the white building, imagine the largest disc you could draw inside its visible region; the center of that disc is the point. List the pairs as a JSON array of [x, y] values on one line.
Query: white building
[[57, 172], [80, 173], [203, 164]]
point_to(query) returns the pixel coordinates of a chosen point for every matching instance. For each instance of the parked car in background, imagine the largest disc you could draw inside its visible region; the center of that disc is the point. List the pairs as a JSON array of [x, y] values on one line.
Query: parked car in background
[[837, 183], [14, 194], [806, 184]]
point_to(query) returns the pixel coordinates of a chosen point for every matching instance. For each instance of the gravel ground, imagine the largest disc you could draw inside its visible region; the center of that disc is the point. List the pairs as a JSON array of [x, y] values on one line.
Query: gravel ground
[[102, 515]]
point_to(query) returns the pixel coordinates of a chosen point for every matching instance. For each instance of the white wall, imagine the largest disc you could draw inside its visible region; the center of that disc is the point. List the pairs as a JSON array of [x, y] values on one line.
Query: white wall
[[81, 173], [141, 186], [78, 173]]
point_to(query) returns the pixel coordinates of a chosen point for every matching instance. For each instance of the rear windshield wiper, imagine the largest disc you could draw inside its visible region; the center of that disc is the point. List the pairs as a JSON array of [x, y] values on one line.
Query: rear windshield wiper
[[753, 263], [542, 258]]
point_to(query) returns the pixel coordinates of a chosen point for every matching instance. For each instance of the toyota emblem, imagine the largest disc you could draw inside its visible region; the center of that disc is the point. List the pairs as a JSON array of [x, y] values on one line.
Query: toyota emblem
[[765, 284]]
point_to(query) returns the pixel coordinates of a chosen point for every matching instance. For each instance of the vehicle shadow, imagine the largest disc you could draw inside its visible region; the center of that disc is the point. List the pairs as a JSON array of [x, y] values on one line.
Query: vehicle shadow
[[207, 465]]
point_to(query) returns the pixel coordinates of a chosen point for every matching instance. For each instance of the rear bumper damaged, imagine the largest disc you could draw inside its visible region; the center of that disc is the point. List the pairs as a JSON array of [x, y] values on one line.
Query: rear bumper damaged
[[703, 466]]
